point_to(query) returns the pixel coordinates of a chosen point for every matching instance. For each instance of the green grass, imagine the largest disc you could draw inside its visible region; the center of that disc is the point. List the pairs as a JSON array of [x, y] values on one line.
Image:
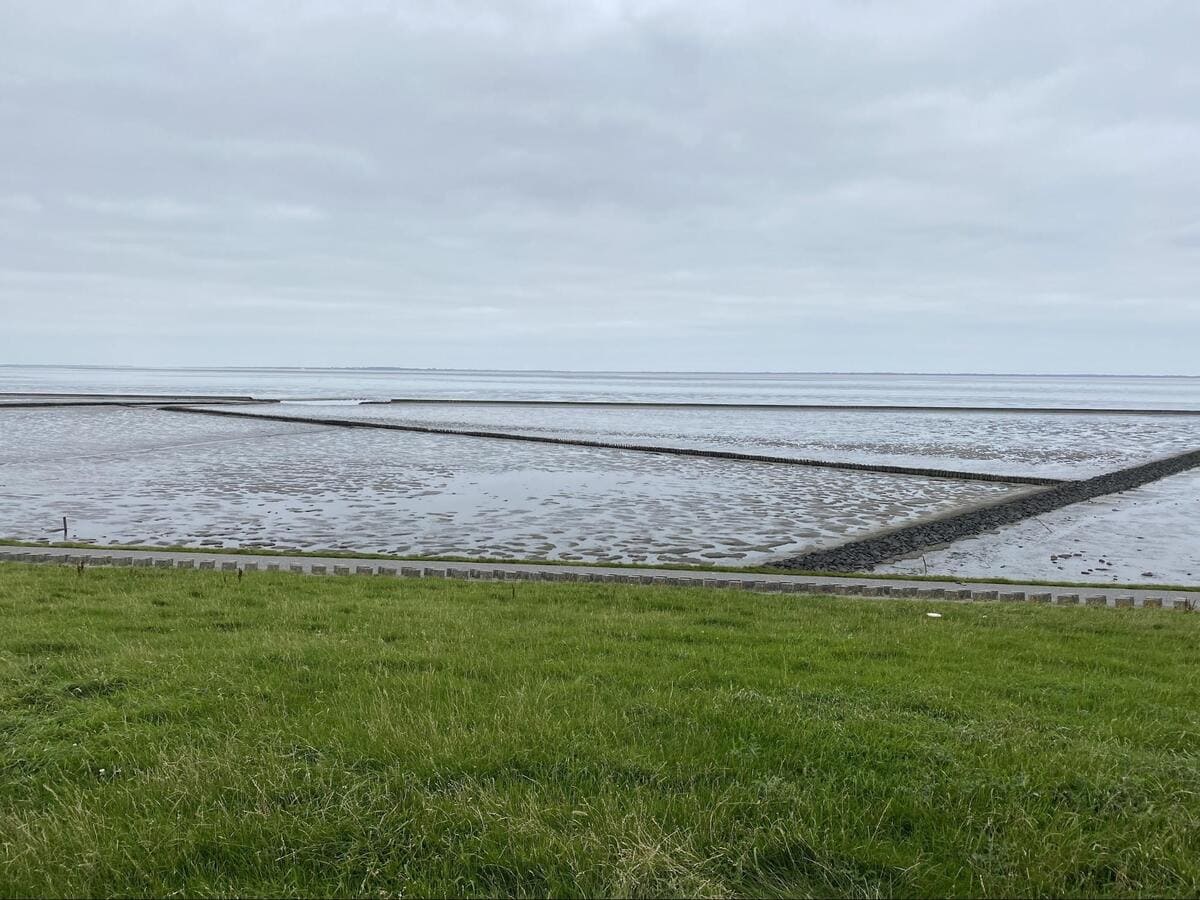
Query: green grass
[[176, 732]]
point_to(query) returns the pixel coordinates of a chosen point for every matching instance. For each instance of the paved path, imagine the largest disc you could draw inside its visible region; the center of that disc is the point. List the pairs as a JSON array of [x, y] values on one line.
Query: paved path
[[753, 581]]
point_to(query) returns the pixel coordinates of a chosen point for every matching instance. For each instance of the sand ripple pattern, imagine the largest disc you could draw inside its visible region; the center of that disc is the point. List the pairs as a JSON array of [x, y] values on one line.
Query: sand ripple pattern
[[139, 476]]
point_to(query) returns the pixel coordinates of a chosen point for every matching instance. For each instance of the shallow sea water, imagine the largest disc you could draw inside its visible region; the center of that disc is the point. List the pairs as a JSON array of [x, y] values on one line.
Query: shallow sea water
[[1089, 391]]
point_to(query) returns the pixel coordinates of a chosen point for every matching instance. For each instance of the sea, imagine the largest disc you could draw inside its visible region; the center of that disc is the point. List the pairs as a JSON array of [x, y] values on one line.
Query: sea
[[332, 384]]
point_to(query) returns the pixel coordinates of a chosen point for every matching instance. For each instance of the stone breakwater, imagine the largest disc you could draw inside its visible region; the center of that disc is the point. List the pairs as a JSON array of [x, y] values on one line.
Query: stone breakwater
[[863, 554], [639, 448]]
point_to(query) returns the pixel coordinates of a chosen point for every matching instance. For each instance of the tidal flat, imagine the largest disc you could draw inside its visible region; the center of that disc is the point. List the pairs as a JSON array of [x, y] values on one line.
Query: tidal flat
[[143, 476], [1040, 444], [138, 475]]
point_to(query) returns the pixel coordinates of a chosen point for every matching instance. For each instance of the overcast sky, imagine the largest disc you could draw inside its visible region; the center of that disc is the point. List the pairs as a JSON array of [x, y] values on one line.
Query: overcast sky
[[854, 186]]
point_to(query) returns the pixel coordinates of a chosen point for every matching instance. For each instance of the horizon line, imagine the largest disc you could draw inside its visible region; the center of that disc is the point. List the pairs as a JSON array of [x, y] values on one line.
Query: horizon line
[[545, 371]]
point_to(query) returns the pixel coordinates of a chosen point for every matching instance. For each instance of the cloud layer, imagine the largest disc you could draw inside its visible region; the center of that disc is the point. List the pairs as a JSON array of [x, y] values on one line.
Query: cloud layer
[[928, 186]]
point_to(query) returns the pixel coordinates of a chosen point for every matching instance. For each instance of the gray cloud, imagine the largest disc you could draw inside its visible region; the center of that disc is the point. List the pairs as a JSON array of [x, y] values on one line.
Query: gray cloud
[[840, 185]]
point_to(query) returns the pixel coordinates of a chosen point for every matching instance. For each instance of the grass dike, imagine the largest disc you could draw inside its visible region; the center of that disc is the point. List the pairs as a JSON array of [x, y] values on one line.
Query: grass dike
[[198, 733]]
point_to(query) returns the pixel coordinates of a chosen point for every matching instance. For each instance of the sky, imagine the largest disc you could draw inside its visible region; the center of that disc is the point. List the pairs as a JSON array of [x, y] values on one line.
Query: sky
[[602, 184]]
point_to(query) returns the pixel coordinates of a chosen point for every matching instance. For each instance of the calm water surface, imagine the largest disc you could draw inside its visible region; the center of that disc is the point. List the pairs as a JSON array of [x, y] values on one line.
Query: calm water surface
[[982, 390]]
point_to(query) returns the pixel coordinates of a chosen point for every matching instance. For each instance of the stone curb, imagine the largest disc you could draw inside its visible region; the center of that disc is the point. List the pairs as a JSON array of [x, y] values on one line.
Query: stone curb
[[483, 573]]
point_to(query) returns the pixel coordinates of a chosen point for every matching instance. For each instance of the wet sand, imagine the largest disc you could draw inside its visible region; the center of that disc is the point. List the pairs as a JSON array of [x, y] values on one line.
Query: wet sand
[[1077, 446], [140, 476], [136, 475], [1150, 534]]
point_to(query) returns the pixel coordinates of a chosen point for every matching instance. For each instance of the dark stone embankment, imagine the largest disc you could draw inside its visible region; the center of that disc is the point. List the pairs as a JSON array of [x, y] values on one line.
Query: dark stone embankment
[[640, 448], [907, 540]]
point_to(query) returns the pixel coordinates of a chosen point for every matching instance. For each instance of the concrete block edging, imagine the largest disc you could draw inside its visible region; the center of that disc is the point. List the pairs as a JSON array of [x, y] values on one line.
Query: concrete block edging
[[734, 581]]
